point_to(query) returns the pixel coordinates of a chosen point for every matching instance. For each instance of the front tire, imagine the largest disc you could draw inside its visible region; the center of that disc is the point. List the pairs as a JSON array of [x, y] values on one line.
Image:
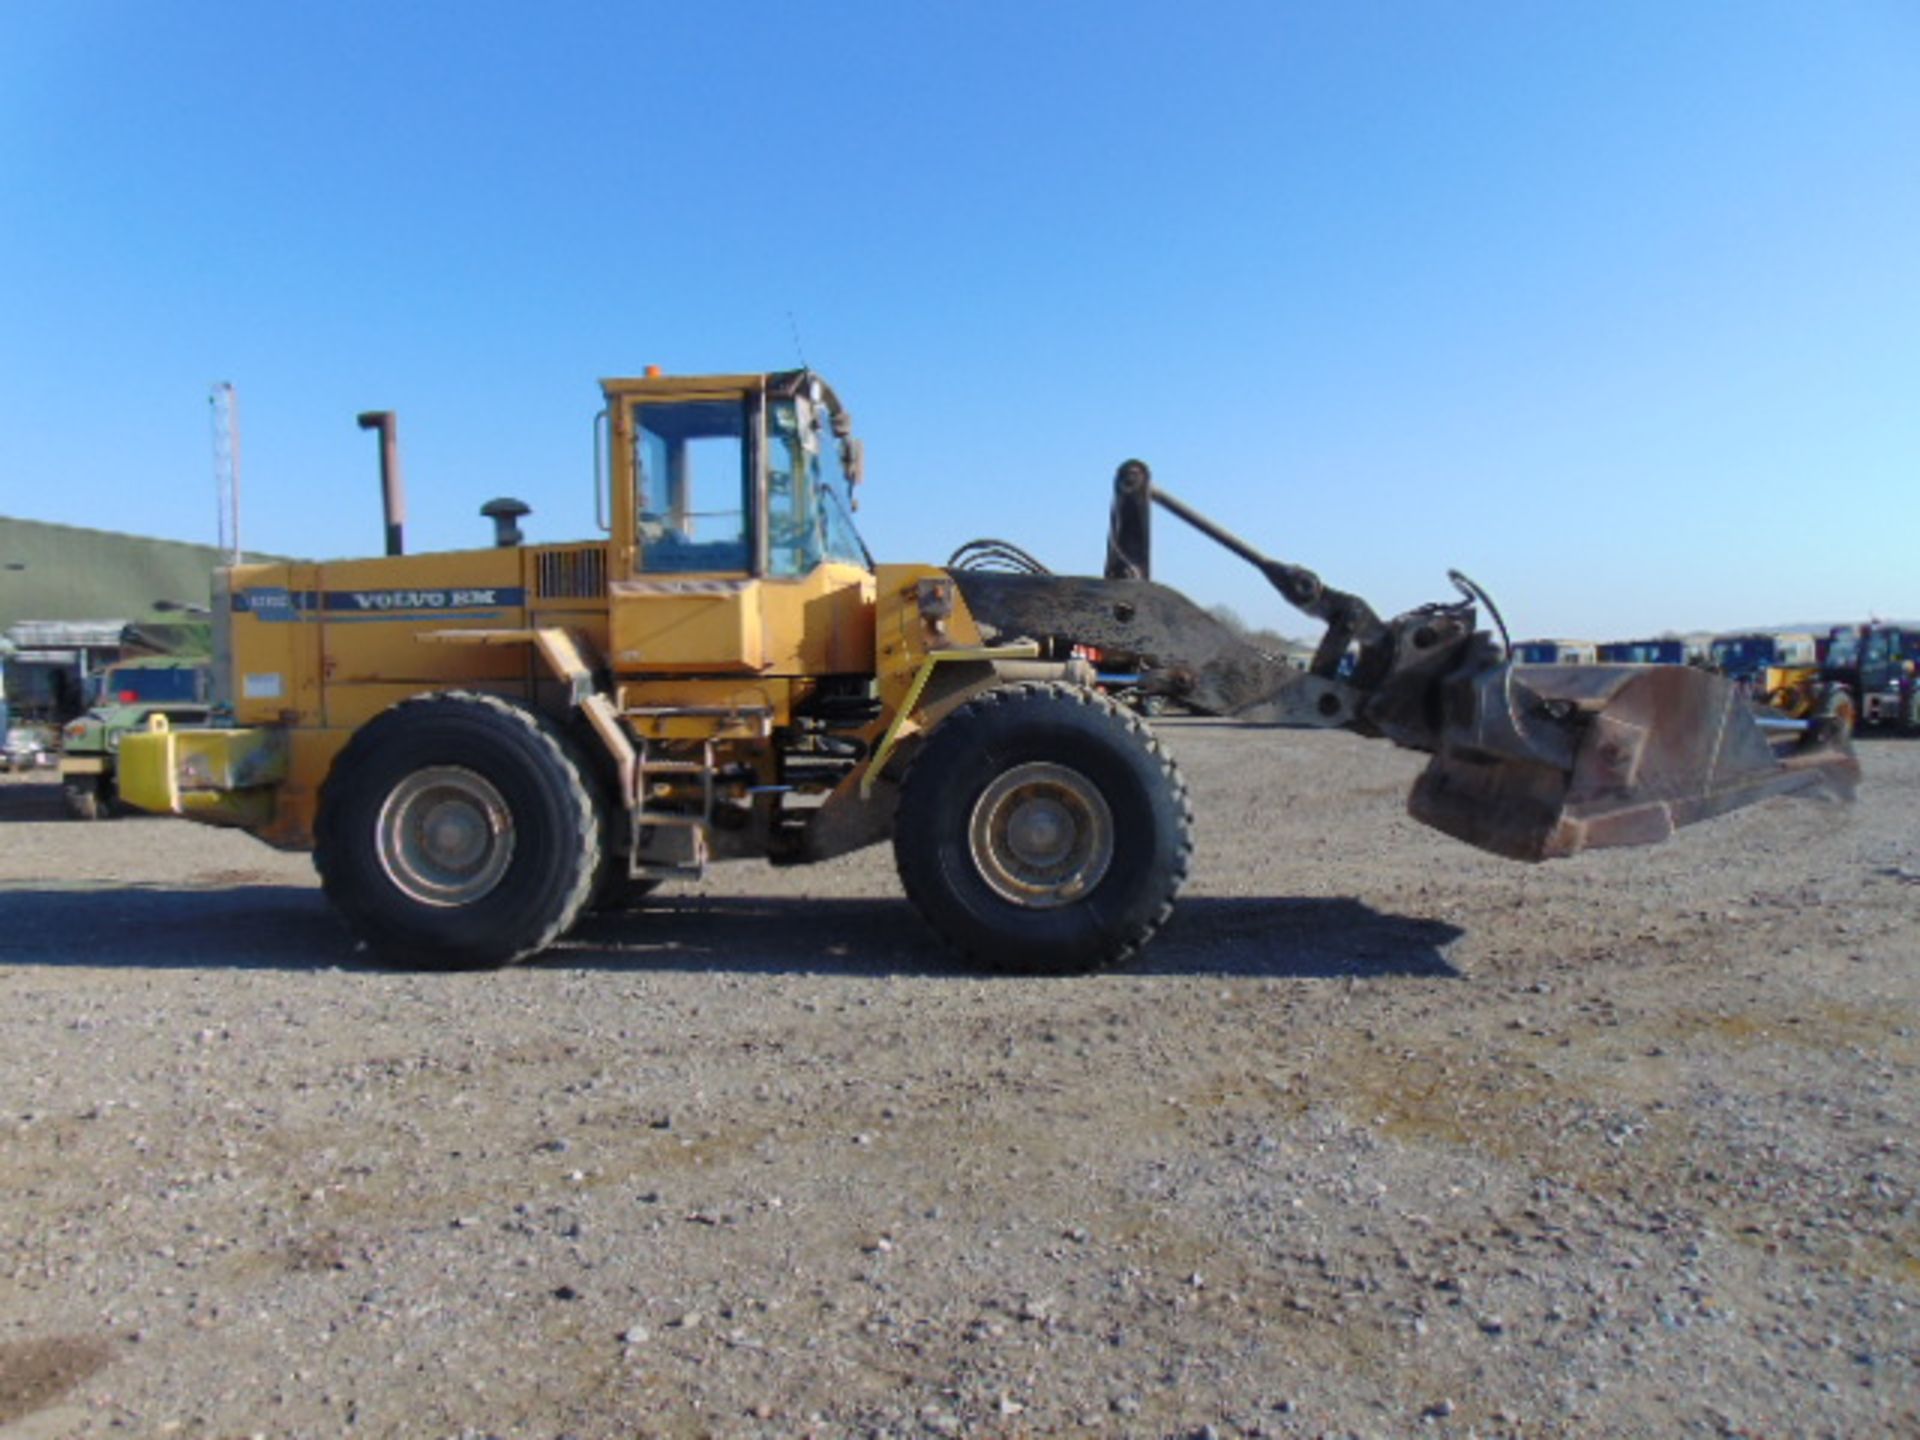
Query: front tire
[[85, 798], [457, 831], [1042, 829], [1839, 713]]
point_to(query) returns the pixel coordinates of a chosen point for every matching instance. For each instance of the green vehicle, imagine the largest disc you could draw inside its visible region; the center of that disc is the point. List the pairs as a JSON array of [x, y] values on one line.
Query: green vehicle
[[130, 693]]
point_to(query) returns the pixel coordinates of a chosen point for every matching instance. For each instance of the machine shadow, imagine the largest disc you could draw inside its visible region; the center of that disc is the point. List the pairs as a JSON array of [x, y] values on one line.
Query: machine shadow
[[1274, 938], [290, 927], [27, 801], [1299, 938], [170, 927]]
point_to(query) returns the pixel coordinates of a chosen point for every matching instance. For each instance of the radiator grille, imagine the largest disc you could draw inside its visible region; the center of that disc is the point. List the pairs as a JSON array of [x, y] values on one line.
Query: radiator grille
[[572, 574]]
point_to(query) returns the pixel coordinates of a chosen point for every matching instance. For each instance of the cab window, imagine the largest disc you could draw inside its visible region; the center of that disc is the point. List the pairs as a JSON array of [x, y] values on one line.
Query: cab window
[[691, 467]]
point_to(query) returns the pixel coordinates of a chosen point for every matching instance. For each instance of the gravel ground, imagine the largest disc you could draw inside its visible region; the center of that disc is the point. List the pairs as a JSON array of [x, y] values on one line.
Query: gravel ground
[[1382, 1137]]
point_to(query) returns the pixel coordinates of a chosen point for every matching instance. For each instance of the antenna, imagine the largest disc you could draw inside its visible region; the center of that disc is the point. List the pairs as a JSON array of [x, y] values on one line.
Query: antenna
[[798, 349], [224, 405]]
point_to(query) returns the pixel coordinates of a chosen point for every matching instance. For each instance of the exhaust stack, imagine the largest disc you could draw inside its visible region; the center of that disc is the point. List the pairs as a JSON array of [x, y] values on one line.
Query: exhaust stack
[[393, 491]]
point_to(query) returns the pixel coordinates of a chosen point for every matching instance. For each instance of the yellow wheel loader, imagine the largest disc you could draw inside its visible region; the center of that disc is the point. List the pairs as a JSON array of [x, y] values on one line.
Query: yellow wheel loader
[[479, 745], [1793, 690]]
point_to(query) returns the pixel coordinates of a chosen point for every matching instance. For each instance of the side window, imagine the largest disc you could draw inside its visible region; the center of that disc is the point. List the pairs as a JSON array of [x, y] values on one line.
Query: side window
[[691, 464]]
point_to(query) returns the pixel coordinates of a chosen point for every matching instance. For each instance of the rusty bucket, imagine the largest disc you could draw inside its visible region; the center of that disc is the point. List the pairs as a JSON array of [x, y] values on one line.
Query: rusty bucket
[[1550, 760]]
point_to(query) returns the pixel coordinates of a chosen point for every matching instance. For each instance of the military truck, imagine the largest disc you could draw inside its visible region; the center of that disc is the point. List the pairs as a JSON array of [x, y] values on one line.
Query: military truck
[[130, 693]]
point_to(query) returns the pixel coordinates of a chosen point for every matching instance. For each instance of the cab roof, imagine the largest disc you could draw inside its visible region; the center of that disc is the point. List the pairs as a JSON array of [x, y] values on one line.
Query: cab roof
[[692, 387]]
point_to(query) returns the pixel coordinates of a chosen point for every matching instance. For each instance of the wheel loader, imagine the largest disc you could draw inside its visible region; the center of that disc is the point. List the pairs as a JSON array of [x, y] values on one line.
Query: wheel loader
[[478, 746]]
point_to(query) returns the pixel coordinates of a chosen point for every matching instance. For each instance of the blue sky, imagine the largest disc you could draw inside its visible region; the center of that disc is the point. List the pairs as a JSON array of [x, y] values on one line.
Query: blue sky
[[1614, 306]]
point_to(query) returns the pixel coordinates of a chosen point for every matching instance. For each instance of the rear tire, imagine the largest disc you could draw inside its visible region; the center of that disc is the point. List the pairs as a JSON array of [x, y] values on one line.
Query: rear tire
[[1042, 829], [457, 831]]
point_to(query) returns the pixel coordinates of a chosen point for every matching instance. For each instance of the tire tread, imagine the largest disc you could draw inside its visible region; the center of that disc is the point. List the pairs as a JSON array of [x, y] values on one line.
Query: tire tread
[[557, 762], [1027, 692]]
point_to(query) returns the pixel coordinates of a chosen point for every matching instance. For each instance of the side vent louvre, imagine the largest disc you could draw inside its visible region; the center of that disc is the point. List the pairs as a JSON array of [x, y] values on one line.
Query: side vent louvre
[[572, 574]]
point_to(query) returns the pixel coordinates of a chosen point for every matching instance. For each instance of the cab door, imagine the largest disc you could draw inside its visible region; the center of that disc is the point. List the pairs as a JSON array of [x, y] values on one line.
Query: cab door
[[692, 603]]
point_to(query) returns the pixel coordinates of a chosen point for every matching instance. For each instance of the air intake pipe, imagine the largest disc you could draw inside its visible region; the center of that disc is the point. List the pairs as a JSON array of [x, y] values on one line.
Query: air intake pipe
[[505, 514]]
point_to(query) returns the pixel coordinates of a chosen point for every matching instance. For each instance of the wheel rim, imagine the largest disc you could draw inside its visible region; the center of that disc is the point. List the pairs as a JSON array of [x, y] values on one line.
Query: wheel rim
[[445, 836], [1041, 836]]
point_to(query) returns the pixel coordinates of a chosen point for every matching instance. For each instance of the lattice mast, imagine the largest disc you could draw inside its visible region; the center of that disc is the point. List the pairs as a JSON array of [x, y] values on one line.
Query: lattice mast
[[223, 403]]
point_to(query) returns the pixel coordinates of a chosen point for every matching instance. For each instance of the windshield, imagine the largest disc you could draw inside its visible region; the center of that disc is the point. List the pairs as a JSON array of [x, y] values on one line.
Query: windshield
[[808, 515], [1845, 649], [695, 463], [157, 683]]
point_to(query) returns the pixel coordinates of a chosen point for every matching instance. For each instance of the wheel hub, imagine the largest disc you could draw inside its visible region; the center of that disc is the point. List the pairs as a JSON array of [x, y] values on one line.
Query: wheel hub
[[445, 835], [1041, 835]]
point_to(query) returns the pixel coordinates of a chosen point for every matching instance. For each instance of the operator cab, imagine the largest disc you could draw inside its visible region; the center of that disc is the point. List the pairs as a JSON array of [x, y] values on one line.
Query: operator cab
[[733, 476], [1886, 656]]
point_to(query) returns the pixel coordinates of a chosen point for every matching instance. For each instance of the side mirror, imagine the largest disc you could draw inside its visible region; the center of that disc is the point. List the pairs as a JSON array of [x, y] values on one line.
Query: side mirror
[[852, 460]]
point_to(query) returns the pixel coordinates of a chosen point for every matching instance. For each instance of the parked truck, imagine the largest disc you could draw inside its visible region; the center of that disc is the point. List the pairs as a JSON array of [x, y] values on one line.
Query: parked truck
[[1871, 670], [1747, 657], [1554, 652], [31, 689], [475, 745], [1667, 650], [6, 710]]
